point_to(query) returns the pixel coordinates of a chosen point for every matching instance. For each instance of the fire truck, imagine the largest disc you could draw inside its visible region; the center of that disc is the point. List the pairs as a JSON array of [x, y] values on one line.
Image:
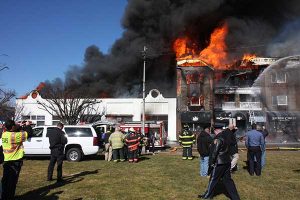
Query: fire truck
[[156, 127]]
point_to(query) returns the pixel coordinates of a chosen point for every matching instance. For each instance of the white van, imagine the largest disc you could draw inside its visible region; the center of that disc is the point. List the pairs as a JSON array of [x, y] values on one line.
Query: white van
[[82, 140]]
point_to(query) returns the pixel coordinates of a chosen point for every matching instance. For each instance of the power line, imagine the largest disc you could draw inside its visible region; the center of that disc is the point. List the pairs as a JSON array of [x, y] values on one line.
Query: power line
[[5, 67]]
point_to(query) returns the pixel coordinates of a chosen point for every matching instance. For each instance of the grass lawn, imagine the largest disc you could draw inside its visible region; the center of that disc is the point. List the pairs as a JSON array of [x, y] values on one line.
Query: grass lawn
[[162, 176]]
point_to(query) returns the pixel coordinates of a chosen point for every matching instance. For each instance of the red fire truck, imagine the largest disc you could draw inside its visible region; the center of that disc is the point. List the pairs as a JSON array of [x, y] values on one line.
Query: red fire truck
[[157, 127]]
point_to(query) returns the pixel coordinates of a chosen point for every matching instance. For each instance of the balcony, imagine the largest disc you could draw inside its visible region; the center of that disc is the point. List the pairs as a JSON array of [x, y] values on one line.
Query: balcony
[[241, 106], [237, 90]]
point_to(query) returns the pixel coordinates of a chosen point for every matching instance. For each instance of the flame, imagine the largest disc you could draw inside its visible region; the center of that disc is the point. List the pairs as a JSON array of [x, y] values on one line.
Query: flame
[[182, 49], [248, 56], [179, 46], [40, 86], [215, 54]]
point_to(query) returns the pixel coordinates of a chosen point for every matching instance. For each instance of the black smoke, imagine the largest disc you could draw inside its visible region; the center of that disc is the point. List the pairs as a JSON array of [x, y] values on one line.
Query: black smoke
[[253, 25]]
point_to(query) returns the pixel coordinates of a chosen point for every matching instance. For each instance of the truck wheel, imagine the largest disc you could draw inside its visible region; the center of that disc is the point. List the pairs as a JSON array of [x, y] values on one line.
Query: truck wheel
[[74, 155]]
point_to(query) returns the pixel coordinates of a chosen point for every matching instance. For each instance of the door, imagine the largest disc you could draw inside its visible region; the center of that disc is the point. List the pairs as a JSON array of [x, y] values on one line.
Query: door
[[34, 145]]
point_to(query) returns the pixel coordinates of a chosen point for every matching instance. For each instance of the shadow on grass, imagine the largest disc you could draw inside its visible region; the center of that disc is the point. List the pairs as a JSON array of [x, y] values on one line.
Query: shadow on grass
[[94, 157], [42, 193], [142, 158], [296, 170]]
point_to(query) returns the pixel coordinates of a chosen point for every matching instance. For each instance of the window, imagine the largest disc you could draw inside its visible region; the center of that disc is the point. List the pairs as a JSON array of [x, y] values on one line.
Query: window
[[282, 100], [25, 117], [55, 120], [54, 117], [78, 132], [40, 123], [278, 77], [38, 132], [40, 117], [279, 100]]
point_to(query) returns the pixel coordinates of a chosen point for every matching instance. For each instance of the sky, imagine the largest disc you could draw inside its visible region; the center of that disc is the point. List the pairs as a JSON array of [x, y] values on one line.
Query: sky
[[40, 40]]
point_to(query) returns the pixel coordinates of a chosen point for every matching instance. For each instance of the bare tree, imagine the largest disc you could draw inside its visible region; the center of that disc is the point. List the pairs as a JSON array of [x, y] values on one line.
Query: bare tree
[[67, 105], [6, 107], [19, 109]]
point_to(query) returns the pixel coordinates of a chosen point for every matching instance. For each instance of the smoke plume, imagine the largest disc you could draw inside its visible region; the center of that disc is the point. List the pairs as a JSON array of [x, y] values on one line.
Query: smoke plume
[[255, 26]]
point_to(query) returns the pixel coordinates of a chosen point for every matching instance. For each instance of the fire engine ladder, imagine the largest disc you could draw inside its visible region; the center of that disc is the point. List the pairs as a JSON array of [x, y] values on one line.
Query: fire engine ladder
[[251, 114]]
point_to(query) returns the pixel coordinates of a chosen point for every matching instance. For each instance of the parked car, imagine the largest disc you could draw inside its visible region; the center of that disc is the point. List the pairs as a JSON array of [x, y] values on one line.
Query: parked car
[[82, 140]]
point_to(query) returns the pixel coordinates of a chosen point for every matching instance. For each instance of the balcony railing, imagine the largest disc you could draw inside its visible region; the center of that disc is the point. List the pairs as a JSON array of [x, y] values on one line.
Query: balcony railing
[[241, 106]]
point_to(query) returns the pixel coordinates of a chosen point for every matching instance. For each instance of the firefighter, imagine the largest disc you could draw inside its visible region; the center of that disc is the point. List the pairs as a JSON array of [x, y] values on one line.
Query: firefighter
[[186, 139], [116, 141], [125, 149], [12, 143], [133, 142]]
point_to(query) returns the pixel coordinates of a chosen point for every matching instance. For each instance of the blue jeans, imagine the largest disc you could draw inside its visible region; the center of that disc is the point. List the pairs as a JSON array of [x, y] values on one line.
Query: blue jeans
[[204, 165]]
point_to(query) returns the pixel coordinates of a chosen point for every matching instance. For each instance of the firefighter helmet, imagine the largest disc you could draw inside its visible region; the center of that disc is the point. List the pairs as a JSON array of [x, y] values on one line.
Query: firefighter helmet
[[186, 127], [131, 130]]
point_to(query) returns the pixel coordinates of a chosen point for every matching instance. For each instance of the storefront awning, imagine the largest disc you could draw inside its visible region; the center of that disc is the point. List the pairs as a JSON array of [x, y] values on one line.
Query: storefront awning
[[283, 116], [196, 117]]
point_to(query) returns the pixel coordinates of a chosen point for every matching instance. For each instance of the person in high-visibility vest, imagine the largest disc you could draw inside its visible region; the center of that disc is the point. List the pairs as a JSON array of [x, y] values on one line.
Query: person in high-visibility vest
[[13, 150], [187, 139]]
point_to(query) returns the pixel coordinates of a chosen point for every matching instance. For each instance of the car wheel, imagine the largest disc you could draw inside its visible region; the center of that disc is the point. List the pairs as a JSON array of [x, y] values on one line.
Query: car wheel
[[74, 155]]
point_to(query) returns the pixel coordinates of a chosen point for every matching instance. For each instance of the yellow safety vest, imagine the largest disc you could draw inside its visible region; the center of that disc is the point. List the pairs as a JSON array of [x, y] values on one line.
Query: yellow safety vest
[[12, 143]]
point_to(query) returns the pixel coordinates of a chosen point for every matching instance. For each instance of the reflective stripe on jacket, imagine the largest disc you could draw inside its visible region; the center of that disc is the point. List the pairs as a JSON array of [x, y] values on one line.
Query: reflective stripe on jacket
[[133, 141], [12, 143], [186, 139]]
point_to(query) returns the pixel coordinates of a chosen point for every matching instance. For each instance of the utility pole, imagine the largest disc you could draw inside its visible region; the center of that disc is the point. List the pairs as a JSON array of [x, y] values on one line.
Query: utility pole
[[144, 82]]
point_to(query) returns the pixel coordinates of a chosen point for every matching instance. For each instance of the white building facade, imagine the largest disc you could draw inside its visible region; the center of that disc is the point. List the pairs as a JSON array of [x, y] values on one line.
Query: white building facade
[[118, 109]]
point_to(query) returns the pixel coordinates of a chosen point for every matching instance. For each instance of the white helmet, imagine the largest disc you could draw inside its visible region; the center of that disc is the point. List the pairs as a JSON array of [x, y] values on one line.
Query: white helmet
[[131, 130]]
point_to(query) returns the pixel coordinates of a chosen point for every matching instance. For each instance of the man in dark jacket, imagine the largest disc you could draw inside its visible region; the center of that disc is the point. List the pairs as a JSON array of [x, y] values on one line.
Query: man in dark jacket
[[57, 140], [220, 164], [233, 146], [204, 141]]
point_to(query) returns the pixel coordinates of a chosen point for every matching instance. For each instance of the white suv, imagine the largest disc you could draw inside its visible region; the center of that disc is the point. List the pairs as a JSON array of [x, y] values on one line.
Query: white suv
[[82, 140]]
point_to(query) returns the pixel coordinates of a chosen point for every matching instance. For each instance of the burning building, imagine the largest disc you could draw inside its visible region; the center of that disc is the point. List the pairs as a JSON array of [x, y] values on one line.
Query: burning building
[[211, 90], [209, 39]]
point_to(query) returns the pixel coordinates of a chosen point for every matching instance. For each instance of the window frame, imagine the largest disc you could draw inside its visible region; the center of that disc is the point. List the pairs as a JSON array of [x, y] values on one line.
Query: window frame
[[279, 101], [274, 77]]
